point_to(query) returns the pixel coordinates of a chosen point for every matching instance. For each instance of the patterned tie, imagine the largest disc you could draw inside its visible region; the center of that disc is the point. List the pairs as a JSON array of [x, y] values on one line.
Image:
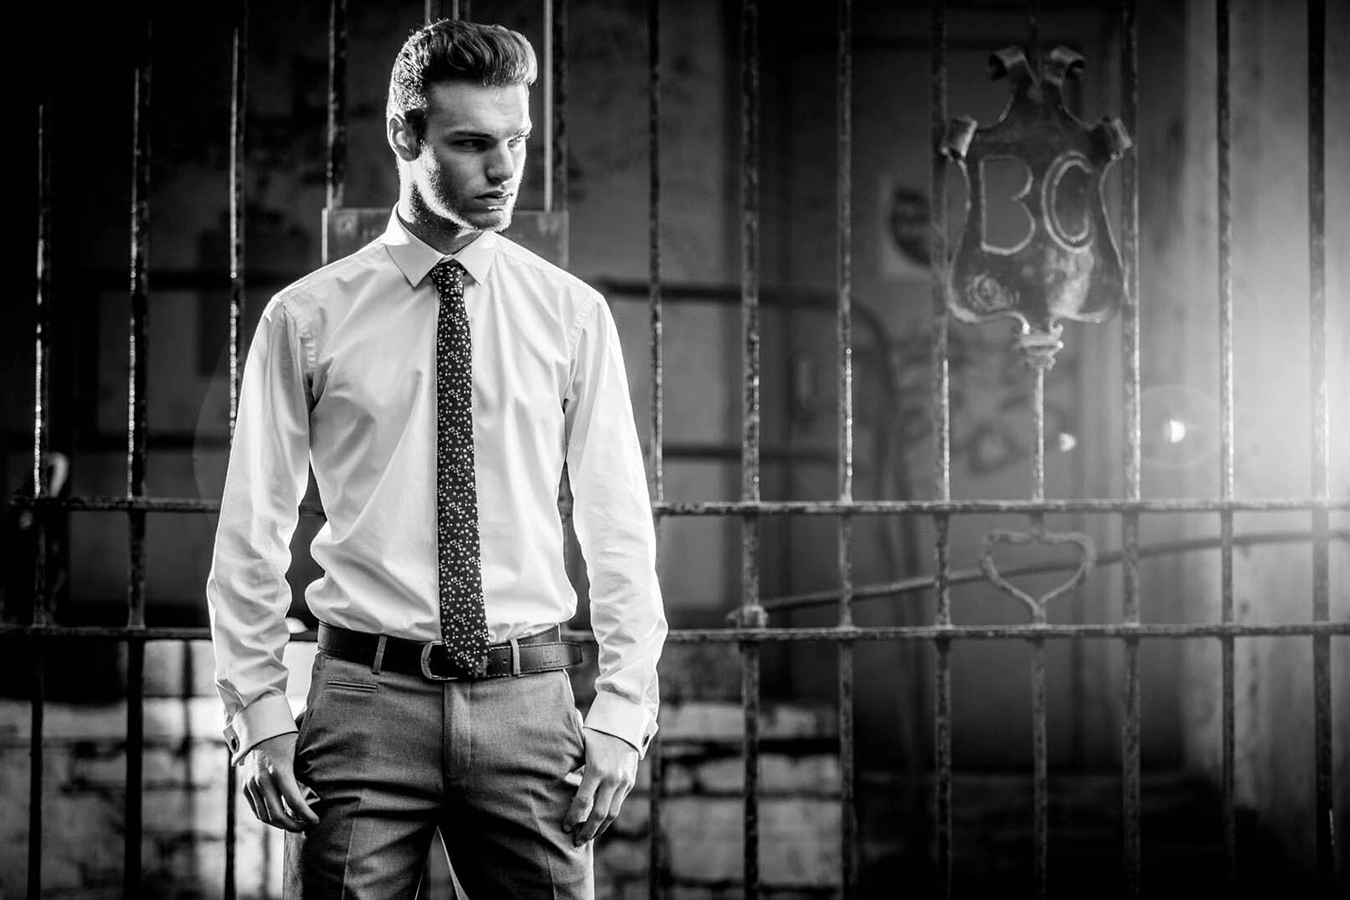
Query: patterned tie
[[463, 622]]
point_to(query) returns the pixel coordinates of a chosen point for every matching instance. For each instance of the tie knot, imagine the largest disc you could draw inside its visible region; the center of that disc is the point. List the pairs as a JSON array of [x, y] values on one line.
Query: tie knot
[[448, 276]]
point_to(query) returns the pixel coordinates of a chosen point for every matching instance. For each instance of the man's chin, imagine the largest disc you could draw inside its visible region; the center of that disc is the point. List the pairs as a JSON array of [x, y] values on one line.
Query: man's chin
[[495, 220]]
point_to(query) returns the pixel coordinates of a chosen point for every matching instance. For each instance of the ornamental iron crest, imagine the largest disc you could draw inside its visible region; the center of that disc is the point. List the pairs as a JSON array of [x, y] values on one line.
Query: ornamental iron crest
[[1067, 265]]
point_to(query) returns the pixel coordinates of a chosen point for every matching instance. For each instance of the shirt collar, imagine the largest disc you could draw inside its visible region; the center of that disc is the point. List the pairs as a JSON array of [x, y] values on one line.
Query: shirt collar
[[415, 257]]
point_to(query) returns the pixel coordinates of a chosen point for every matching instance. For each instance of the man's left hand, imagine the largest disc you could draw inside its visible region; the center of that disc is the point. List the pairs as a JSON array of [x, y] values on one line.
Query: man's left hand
[[611, 771]]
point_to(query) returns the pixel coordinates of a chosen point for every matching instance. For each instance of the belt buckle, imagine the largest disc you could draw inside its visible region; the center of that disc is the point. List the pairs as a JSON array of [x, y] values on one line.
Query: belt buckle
[[479, 671]]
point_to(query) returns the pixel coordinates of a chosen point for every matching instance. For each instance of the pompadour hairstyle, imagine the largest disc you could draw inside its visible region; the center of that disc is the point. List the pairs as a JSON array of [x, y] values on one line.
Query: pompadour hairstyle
[[455, 50]]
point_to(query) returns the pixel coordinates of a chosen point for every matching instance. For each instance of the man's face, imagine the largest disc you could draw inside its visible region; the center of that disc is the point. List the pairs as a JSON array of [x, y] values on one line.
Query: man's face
[[473, 156]]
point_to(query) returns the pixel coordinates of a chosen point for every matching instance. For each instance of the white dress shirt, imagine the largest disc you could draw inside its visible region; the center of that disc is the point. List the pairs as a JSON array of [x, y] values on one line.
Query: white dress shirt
[[341, 376]]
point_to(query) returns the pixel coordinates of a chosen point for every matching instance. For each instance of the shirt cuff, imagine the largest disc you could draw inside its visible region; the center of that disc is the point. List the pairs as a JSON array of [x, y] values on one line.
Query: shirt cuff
[[266, 717], [623, 719]]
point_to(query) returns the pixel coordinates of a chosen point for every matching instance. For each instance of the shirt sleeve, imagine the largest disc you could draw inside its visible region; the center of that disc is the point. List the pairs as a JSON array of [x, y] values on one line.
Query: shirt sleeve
[[612, 516], [246, 590]]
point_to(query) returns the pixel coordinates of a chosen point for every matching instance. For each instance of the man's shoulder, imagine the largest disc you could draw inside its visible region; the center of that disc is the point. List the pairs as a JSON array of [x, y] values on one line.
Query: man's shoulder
[[305, 294], [523, 260]]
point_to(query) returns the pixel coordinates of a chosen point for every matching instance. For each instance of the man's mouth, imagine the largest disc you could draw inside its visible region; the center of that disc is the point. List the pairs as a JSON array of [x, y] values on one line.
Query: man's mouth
[[495, 198]]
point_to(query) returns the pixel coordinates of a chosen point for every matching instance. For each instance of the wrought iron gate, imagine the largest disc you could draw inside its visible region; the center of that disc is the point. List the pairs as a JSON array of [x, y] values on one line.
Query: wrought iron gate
[[751, 631]]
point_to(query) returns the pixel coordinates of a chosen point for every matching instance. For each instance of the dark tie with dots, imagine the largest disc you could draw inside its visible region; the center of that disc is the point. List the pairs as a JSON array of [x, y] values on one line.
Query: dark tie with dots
[[463, 622]]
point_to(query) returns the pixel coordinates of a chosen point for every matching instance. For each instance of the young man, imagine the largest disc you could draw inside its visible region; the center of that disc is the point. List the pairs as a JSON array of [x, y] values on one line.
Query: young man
[[437, 380]]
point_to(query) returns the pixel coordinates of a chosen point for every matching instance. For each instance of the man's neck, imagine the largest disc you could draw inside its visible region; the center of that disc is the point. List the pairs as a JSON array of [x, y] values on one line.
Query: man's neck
[[442, 234]]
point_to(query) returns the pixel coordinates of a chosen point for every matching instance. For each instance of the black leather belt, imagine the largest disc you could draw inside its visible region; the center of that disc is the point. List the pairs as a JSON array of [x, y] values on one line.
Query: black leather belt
[[541, 652]]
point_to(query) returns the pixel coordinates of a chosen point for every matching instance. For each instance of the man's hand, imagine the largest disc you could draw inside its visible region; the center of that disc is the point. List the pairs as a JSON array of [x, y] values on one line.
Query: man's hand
[[271, 788], [611, 771]]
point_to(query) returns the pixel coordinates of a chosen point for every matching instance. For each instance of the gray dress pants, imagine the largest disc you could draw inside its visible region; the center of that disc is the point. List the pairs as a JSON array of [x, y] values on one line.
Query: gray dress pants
[[493, 764]]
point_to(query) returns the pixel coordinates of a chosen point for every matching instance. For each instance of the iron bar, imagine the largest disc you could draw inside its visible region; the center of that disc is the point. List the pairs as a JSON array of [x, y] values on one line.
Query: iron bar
[[136, 461], [36, 771], [750, 437], [1040, 804], [42, 322], [942, 467], [1130, 755], [848, 830], [1321, 450], [656, 483], [1040, 776], [555, 105], [655, 472], [238, 111], [1143, 631], [41, 387], [336, 171], [238, 106], [786, 507], [656, 857], [1226, 435]]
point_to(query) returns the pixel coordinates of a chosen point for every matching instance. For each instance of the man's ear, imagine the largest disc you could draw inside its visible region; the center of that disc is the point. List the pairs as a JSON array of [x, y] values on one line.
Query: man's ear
[[401, 138]]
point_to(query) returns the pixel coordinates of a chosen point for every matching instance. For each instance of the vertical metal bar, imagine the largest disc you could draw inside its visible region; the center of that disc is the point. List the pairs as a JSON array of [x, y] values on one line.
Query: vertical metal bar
[[656, 868], [336, 173], [41, 390], [548, 105], [1040, 778], [1226, 469], [942, 472], [655, 474], [848, 837], [555, 104], [656, 480], [238, 110], [750, 407], [1130, 757], [1034, 35], [136, 459], [238, 105], [36, 770], [1040, 746], [1321, 430]]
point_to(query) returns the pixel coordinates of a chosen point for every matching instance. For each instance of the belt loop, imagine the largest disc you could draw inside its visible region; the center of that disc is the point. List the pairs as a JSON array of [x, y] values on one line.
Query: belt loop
[[515, 658], [379, 655]]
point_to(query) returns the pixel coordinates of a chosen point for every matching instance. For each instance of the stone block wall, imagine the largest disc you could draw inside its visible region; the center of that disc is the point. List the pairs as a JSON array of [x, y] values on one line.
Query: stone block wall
[[184, 798]]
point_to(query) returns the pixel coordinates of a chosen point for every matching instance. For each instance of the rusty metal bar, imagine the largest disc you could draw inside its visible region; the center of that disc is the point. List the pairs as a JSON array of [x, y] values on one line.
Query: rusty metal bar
[[848, 831], [784, 507], [1144, 631], [36, 771], [336, 172], [238, 105], [1130, 755], [1223, 111], [1321, 430], [655, 473], [657, 865], [942, 465], [238, 112], [136, 459], [555, 104], [1040, 804], [751, 611], [42, 316]]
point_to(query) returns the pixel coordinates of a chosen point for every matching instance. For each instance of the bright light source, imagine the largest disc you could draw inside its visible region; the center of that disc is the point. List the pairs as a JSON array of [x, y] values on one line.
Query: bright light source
[[1067, 442], [1175, 430]]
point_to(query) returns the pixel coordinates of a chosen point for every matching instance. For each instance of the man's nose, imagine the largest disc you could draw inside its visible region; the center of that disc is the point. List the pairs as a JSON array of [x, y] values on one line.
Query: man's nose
[[501, 164]]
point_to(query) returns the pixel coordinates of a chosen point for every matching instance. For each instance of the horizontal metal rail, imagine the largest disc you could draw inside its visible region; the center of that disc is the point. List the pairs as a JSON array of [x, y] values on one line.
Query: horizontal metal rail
[[1143, 631], [788, 507]]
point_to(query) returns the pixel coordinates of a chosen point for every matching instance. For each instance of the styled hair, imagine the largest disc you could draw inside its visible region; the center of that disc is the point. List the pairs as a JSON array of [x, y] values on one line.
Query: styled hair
[[455, 50]]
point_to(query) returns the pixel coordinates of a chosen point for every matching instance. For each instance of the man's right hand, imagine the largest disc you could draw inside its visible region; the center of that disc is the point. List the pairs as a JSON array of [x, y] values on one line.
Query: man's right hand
[[271, 788]]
